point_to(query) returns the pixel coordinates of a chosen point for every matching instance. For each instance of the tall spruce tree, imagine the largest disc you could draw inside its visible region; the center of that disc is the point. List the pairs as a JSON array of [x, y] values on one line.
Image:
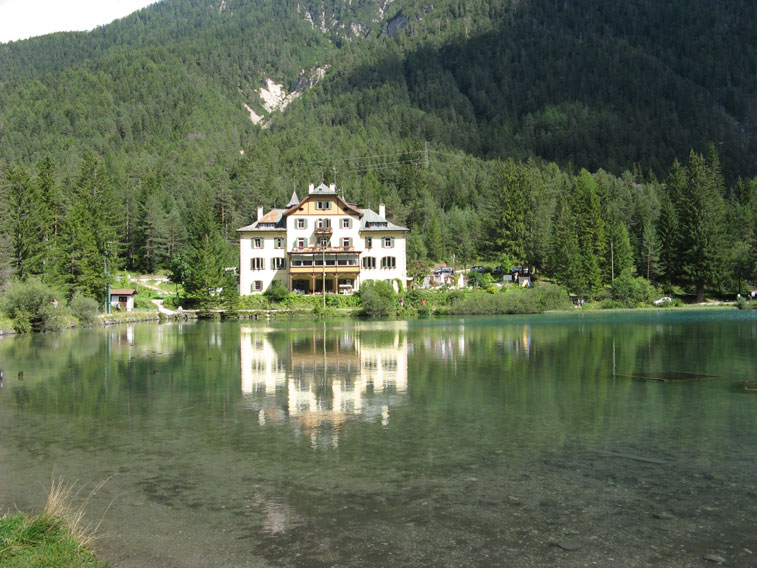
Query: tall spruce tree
[[50, 214], [590, 230], [700, 244], [21, 219], [91, 232], [207, 254], [565, 254], [650, 250], [514, 214]]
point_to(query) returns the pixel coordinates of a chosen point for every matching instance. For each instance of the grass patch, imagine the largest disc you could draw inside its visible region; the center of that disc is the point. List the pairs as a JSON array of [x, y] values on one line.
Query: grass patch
[[58, 538]]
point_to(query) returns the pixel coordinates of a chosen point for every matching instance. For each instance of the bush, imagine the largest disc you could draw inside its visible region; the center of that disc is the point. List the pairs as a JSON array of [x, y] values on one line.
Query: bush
[[277, 291], [84, 309], [533, 300], [378, 298], [32, 306], [479, 279], [631, 292]]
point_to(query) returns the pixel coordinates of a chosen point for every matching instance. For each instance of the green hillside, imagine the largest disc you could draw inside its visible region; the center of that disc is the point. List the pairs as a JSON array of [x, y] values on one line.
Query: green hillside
[[418, 105]]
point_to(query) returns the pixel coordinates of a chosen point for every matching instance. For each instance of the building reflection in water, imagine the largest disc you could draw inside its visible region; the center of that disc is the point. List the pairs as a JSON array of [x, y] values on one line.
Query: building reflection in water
[[320, 379]]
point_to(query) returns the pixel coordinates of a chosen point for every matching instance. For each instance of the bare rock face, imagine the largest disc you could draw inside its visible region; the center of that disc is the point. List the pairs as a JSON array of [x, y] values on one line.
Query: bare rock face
[[274, 96], [393, 26]]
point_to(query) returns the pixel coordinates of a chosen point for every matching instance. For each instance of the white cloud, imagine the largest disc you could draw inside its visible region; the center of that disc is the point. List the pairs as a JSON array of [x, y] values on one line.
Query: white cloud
[[21, 19]]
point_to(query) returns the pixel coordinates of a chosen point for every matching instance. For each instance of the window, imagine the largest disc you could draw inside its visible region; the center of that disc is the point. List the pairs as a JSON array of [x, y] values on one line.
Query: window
[[257, 285], [388, 242], [323, 223], [278, 242], [257, 243], [388, 262], [323, 241], [257, 264], [278, 263], [346, 242], [301, 223], [368, 242], [369, 262], [346, 223], [300, 243], [323, 205]]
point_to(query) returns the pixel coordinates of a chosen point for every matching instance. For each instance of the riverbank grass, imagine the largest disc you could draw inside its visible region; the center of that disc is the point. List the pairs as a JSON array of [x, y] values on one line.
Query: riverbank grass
[[57, 538]]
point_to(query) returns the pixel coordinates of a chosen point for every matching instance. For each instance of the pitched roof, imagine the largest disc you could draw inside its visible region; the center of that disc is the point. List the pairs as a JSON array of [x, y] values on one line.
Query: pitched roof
[[122, 291], [372, 221], [273, 221], [315, 195]]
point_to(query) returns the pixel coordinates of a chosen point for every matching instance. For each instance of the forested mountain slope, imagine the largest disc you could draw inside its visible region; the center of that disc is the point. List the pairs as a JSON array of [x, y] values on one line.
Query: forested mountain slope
[[608, 84], [414, 103]]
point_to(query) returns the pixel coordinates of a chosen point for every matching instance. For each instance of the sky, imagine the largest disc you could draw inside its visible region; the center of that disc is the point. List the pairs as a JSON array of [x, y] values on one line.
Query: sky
[[21, 19]]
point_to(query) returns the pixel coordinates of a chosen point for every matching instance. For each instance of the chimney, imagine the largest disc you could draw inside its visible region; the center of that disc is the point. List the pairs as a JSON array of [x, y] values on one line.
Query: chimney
[[332, 187], [311, 187], [260, 212], [382, 210]]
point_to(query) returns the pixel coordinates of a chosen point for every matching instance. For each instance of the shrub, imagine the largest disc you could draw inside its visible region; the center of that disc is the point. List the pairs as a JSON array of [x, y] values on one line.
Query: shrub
[[378, 298], [631, 292], [32, 306], [533, 300], [84, 309], [277, 291], [479, 279]]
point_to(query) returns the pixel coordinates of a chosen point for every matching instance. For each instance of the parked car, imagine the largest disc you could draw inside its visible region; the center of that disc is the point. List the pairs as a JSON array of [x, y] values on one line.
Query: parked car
[[481, 269], [443, 271], [661, 301]]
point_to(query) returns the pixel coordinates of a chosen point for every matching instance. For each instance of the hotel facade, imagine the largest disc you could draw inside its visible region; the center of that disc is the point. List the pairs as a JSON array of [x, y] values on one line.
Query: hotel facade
[[321, 242]]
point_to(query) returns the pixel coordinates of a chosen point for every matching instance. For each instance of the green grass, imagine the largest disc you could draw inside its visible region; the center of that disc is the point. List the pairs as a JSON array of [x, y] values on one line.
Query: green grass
[[42, 541], [58, 538]]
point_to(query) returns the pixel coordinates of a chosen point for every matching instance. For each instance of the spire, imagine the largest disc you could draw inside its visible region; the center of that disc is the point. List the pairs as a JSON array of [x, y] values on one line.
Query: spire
[[294, 200]]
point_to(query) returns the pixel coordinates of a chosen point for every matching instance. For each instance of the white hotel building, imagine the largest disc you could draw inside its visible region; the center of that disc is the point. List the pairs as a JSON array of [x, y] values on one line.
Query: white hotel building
[[321, 239]]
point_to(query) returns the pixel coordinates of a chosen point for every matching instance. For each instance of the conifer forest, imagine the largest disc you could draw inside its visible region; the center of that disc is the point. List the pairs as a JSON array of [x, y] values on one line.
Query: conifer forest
[[589, 141]]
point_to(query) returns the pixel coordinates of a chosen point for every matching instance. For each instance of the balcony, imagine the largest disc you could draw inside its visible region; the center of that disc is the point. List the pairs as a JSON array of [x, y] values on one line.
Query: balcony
[[322, 231]]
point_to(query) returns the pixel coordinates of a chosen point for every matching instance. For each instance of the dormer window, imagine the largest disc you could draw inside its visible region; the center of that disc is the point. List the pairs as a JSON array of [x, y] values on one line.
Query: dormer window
[[323, 205]]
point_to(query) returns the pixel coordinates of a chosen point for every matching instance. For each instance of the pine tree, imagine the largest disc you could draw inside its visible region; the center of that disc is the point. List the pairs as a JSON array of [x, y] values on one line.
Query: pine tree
[[667, 229], [50, 214], [590, 230], [565, 255], [650, 250], [434, 242], [700, 210], [21, 220], [619, 245], [514, 213], [89, 239], [207, 255]]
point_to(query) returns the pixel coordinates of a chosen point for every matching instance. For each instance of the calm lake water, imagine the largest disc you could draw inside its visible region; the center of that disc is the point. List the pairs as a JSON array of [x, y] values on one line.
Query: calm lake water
[[507, 441]]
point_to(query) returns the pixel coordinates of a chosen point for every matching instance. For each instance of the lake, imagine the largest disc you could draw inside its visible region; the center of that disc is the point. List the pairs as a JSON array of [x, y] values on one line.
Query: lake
[[616, 439]]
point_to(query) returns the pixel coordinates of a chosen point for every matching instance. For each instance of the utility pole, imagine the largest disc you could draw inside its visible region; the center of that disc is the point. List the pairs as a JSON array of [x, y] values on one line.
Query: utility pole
[[106, 307], [612, 260], [323, 265]]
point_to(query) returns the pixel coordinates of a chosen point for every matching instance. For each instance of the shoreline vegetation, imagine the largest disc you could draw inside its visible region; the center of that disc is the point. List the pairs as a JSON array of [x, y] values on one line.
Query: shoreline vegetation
[[58, 536], [32, 306]]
